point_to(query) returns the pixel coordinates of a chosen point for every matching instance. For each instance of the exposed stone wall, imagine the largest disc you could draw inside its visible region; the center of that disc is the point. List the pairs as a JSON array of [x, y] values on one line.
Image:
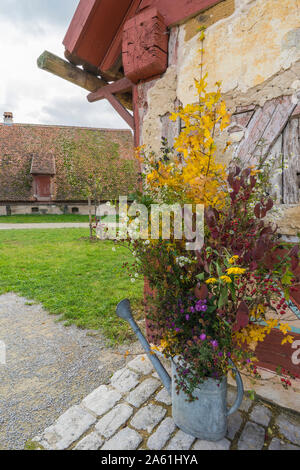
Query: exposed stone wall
[[252, 46]]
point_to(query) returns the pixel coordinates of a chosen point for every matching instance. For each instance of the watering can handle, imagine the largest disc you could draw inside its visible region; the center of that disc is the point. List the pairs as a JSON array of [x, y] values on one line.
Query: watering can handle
[[240, 389]]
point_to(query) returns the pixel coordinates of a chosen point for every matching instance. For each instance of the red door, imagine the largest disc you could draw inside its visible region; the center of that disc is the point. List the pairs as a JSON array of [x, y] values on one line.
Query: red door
[[42, 187]]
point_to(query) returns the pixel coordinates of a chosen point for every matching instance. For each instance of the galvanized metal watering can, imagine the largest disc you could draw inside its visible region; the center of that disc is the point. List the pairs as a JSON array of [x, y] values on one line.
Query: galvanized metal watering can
[[205, 418]]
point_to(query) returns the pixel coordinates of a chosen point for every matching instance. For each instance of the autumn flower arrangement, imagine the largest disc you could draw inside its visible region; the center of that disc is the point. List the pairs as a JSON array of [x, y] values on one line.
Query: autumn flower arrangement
[[214, 304]]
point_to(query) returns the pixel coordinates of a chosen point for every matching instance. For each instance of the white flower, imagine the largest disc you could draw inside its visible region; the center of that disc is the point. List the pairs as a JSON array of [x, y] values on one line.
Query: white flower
[[108, 203], [113, 248], [147, 242], [132, 279], [136, 275]]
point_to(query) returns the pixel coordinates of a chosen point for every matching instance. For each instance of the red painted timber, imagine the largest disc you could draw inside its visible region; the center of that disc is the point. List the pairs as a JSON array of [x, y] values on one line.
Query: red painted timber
[[121, 110], [145, 45], [42, 187], [115, 48], [95, 32], [93, 28], [120, 86], [271, 353], [177, 11]]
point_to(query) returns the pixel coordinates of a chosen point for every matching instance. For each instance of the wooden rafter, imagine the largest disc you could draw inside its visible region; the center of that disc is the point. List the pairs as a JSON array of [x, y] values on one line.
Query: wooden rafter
[[108, 92], [63, 69]]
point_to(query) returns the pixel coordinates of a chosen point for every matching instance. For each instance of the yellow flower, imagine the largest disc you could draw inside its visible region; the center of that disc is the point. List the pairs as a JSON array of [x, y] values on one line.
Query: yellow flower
[[211, 280], [164, 344], [226, 279], [233, 259], [284, 327], [236, 270], [288, 338]]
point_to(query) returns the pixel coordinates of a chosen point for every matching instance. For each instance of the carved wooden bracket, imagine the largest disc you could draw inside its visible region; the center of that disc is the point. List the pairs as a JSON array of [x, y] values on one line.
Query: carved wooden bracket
[[108, 93], [145, 45]]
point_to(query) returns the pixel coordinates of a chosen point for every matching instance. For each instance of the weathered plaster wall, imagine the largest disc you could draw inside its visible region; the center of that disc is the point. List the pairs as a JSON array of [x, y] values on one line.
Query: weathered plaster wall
[[161, 100], [252, 46], [258, 42]]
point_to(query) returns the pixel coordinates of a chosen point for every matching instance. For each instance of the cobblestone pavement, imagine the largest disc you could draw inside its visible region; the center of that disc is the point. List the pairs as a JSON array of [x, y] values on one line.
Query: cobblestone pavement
[[49, 368], [133, 411]]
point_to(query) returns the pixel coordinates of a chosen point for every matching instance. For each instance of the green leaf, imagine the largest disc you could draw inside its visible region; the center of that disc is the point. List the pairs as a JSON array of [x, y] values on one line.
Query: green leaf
[[223, 299], [200, 276]]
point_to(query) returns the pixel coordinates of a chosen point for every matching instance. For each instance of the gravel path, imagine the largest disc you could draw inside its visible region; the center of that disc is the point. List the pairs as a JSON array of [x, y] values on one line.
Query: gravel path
[[49, 367]]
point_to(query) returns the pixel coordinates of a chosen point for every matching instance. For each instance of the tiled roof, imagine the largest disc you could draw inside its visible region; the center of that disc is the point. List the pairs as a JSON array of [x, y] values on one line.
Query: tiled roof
[[43, 164]]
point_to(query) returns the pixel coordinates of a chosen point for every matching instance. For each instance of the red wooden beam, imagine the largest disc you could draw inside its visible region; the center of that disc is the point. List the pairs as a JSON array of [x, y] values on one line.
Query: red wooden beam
[[93, 28], [177, 11], [95, 32], [121, 110], [107, 92], [115, 49], [120, 86]]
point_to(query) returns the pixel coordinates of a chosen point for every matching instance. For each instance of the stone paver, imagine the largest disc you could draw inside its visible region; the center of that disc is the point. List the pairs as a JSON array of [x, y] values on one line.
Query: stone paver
[[223, 444], [289, 428], [252, 438], [148, 417], [164, 397], [112, 421], [163, 433], [261, 415], [234, 423], [91, 442], [137, 416], [144, 391], [101, 400], [181, 441], [127, 439], [277, 444], [141, 364], [67, 429], [124, 380]]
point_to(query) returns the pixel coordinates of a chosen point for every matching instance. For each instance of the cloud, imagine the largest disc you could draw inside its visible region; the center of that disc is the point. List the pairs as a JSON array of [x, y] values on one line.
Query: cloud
[[30, 12], [35, 96], [67, 111]]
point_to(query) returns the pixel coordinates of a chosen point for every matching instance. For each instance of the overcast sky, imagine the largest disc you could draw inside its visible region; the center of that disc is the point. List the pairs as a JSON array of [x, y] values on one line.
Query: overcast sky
[[28, 27]]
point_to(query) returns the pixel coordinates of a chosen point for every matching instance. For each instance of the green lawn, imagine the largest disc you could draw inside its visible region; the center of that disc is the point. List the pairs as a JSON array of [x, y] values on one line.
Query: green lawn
[[41, 218], [47, 218], [81, 280]]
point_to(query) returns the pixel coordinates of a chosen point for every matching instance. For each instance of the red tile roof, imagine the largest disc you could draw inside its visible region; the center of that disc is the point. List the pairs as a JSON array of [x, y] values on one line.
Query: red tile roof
[[27, 149]]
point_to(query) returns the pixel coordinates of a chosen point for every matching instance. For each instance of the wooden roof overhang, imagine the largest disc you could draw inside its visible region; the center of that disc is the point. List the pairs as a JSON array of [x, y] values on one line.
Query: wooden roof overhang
[[93, 46]]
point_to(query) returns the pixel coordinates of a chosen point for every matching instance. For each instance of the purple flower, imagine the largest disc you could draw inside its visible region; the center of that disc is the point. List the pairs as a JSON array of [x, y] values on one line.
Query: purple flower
[[202, 337], [177, 329], [187, 317], [192, 309], [220, 354], [182, 310], [228, 354], [200, 306], [214, 343]]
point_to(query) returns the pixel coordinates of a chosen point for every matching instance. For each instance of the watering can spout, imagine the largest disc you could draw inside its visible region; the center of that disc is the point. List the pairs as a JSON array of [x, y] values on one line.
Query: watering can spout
[[123, 311]]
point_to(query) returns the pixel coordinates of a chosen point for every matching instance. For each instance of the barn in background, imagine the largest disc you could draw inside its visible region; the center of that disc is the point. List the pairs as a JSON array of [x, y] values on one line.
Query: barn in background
[[33, 171], [143, 56]]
